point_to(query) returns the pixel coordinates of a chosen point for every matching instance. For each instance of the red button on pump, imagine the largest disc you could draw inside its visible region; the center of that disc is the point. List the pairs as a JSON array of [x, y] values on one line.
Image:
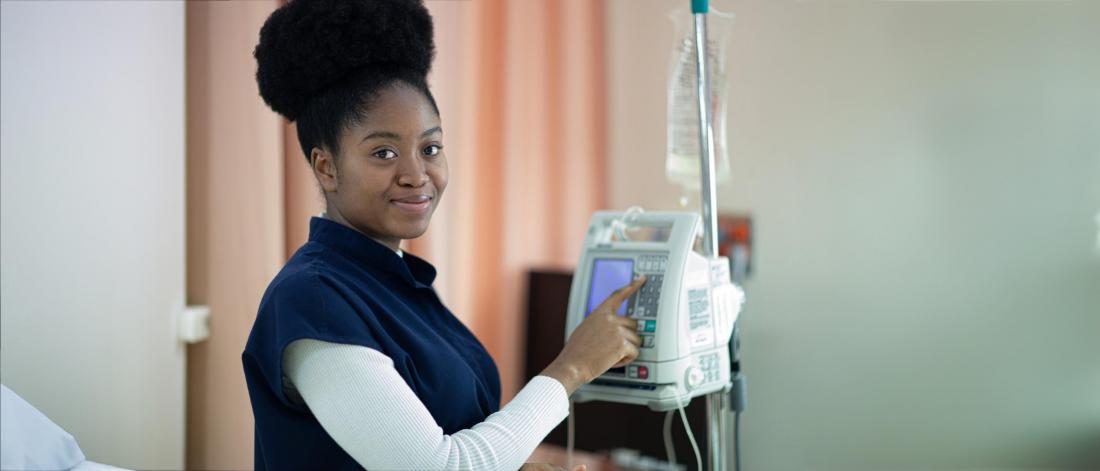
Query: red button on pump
[[643, 372]]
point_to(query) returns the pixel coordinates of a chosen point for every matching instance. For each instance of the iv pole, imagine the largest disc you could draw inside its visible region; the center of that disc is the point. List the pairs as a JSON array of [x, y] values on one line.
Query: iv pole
[[716, 402]]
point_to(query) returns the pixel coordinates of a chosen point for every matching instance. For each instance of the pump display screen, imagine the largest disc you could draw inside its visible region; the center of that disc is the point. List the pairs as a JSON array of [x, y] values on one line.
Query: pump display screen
[[609, 275]]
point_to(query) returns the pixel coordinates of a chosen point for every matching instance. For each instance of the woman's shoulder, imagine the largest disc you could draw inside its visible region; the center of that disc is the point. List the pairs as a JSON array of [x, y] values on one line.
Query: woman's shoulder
[[306, 280], [307, 298], [304, 269], [318, 279]]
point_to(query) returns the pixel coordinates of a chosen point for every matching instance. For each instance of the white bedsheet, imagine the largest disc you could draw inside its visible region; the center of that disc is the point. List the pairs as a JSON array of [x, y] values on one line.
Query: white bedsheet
[[93, 466], [31, 441]]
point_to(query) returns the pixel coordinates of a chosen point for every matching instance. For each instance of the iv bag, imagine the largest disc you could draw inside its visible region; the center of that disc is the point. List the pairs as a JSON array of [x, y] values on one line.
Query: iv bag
[[682, 164]]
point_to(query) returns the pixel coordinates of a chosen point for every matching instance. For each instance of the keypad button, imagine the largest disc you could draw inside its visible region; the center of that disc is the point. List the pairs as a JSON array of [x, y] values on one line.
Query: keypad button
[[647, 341], [643, 372]]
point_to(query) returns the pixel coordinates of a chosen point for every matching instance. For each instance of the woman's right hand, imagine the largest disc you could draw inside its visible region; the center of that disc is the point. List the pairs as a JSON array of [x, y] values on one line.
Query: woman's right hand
[[604, 340]]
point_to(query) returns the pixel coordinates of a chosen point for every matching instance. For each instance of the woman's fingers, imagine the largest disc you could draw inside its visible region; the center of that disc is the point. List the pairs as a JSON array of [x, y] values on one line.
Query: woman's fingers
[[628, 323], [620, 295], [626, 360], [631, 335], [603, 340]]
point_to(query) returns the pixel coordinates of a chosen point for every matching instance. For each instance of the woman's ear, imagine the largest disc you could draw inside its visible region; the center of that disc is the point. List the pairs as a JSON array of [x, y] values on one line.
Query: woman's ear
[[324, 168]]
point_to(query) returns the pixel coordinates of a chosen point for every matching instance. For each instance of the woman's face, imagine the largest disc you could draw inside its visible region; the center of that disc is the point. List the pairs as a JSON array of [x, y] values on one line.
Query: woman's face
[[391, 171]]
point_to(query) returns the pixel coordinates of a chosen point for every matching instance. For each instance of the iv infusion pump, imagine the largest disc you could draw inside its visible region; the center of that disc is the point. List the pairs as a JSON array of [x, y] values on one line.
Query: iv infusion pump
[[685, 310]]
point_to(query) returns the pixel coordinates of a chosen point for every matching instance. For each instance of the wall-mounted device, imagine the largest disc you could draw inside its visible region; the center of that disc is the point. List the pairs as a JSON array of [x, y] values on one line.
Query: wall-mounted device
[[685, 310]]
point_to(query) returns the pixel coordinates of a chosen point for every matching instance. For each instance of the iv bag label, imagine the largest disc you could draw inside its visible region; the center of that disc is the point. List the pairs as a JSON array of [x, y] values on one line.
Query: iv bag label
[[699, 324]]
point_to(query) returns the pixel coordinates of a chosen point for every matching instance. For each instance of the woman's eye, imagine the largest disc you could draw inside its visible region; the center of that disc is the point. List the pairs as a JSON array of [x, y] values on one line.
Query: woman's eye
[[385, 154], [433, 150]]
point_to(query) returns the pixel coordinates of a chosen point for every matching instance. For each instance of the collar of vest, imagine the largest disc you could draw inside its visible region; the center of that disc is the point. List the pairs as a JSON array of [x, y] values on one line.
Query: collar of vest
[[375, 256]]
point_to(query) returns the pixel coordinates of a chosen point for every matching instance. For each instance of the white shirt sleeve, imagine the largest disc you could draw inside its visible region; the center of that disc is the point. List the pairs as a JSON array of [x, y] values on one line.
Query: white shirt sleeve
[[369, 410]]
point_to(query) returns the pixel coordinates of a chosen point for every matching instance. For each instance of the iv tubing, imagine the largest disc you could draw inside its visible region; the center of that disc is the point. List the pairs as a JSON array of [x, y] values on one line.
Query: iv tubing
[[691, 437], [670, 449]]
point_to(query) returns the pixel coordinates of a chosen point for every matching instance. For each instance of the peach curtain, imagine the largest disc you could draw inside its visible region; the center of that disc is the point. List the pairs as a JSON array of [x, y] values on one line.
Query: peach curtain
[[235, 224], [520, 89], [528, 168]]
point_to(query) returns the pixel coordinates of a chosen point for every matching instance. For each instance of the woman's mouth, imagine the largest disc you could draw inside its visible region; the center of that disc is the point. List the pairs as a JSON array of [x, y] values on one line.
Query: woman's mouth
[[416, 204]]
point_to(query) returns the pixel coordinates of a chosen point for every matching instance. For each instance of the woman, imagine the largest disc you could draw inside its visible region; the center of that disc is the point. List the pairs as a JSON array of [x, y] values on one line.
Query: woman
[[353, 362]]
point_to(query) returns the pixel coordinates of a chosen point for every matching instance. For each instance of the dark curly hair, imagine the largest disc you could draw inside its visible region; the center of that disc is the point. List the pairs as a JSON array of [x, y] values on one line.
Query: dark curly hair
[[320, 63]]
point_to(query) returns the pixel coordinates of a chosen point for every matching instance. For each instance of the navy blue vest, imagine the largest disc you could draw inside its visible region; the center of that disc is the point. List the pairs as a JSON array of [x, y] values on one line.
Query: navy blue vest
[[344, 287]]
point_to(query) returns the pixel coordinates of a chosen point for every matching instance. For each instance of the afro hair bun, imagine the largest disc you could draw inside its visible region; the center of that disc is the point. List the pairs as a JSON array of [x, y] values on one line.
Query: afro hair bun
[[308, 46]]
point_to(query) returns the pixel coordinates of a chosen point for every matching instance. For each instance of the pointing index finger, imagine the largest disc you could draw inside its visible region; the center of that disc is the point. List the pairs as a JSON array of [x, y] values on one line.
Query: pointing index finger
[[622, 294]]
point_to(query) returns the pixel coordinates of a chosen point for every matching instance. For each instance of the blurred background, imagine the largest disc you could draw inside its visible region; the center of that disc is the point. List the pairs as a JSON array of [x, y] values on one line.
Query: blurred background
[[923, 180]]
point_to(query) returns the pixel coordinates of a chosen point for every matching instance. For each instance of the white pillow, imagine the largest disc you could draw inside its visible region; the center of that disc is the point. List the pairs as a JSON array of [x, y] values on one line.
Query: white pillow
[[31, 441]]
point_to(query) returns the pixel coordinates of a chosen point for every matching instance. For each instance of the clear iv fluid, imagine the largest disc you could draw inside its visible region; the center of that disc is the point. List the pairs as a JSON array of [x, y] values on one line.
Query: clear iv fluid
[[682, 164]]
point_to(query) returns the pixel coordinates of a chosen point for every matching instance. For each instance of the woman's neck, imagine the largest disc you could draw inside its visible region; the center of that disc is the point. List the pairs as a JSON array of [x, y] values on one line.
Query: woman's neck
[[334, 215]]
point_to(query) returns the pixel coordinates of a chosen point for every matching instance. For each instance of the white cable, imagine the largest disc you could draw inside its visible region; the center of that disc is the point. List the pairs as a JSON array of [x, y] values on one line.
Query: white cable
[[570, 435], [691, 436], [670, 449]]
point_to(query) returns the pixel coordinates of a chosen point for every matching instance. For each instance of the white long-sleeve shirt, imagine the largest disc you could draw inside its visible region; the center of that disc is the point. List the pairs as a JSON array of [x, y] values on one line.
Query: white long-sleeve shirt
[[369, 410]]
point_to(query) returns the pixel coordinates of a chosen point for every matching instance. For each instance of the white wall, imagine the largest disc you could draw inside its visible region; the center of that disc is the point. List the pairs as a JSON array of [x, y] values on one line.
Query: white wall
[[91, 162], [924, 178]]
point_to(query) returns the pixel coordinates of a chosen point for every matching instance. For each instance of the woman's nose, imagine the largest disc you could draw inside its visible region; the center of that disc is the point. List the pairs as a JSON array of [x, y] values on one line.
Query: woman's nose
[[411, 172]]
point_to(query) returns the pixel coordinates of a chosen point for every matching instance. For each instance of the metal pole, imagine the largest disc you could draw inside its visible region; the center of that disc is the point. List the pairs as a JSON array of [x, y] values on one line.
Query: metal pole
[[715, 431], [706, 144], [715, 412]]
